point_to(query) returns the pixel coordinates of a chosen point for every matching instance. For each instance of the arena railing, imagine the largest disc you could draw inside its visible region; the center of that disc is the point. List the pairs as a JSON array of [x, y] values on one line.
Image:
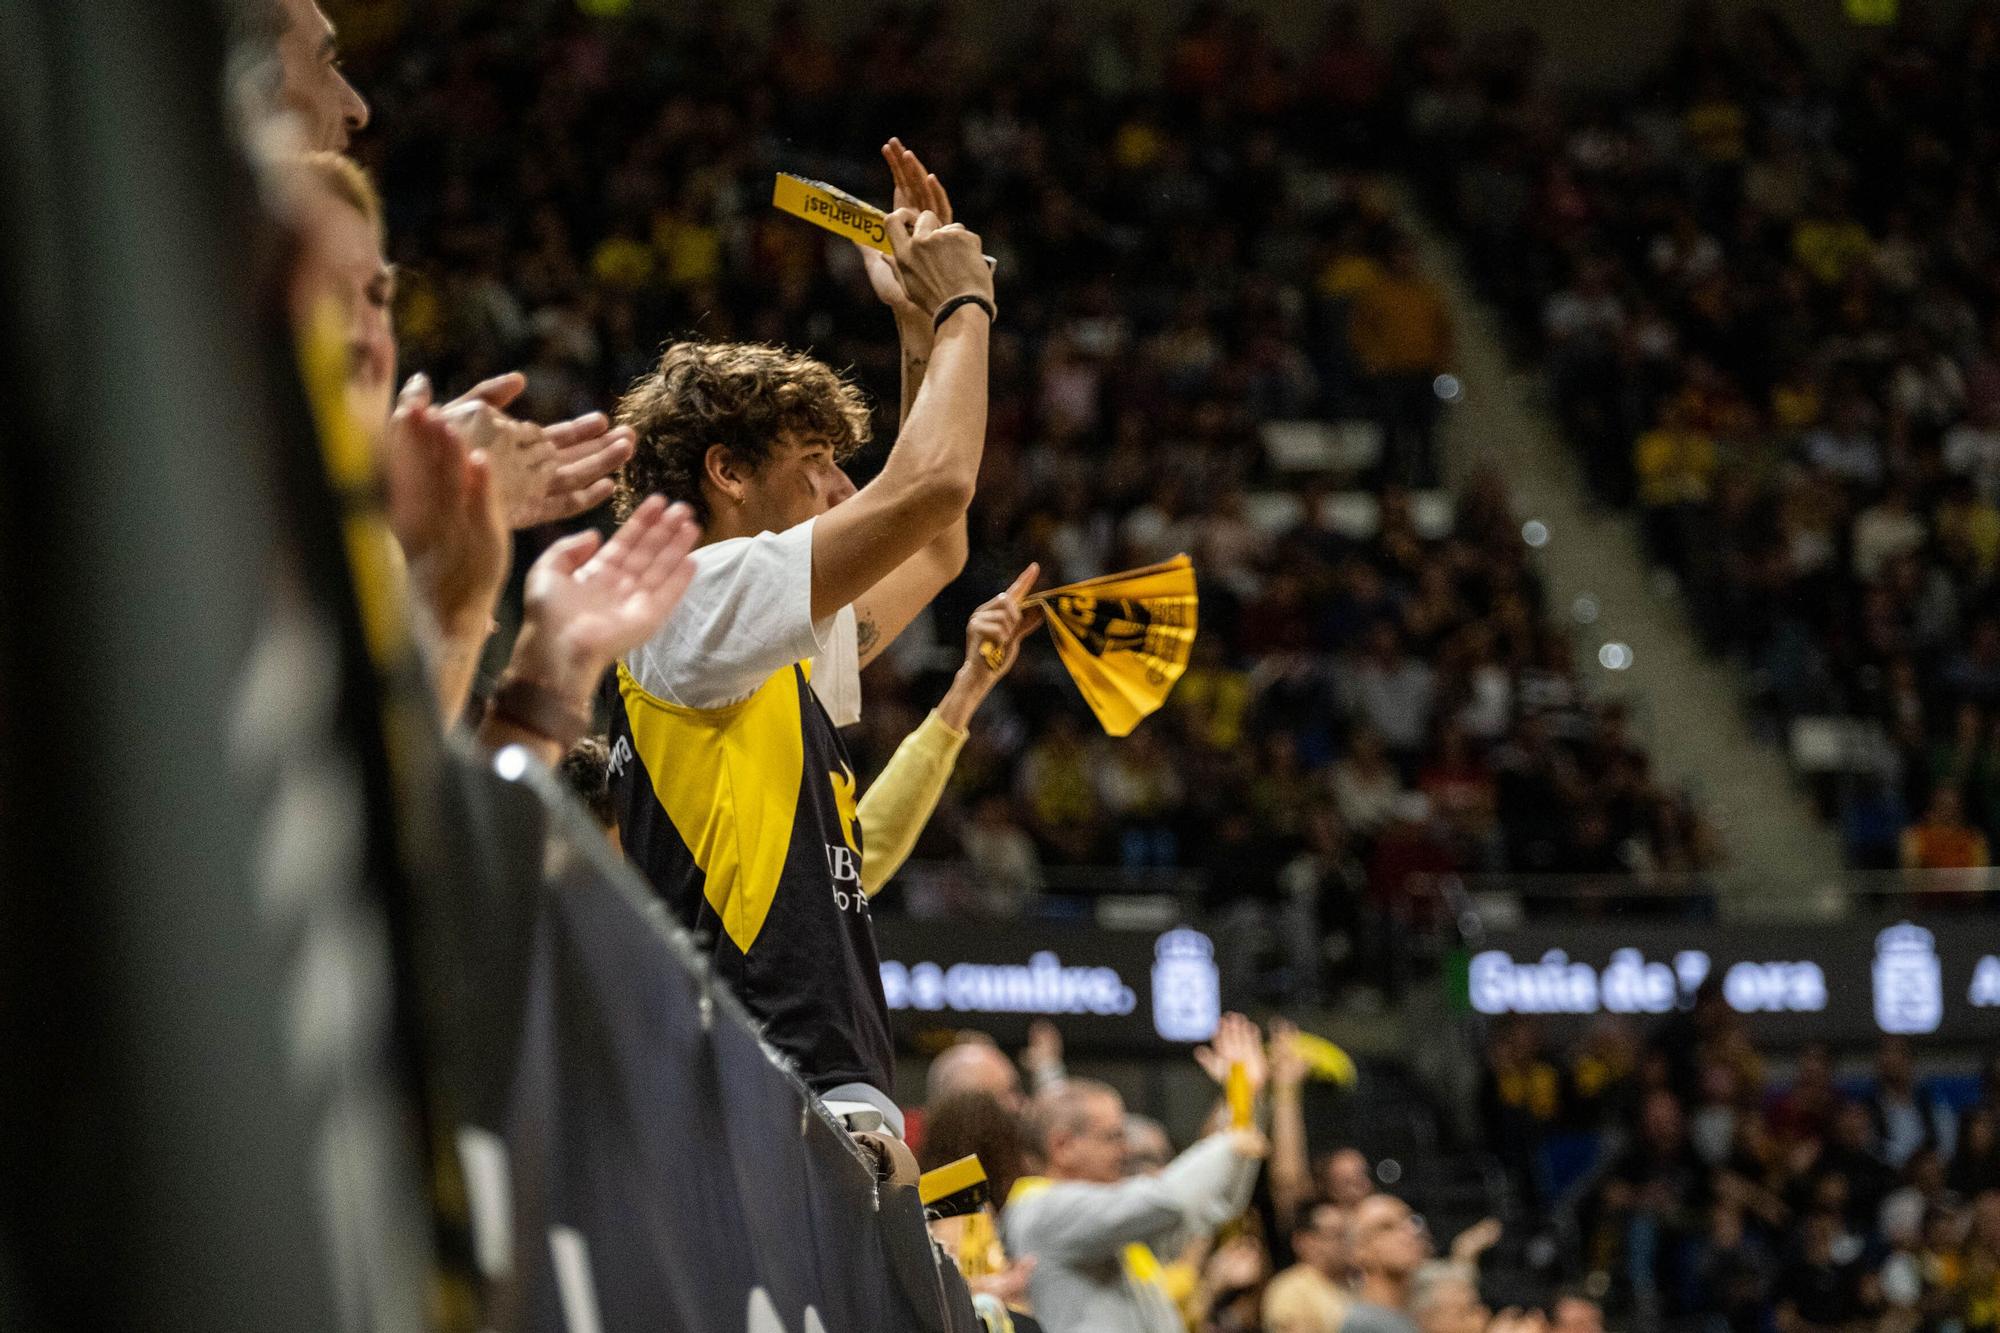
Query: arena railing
[[634, 1156]]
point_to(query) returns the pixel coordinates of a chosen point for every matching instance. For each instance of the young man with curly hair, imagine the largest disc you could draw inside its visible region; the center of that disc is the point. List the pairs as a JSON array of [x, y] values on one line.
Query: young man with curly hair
[[733, 789]]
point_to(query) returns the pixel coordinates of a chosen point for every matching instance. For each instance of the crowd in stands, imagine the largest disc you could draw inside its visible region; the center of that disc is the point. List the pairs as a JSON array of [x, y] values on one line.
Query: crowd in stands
[[1764, 291], [1186, 261], [1706, 1192], [1187, 256], [1098, 1223]]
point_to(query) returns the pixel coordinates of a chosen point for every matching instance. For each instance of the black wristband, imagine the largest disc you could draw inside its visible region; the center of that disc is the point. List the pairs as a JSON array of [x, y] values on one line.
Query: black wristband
[[532, 707], [945, 311]]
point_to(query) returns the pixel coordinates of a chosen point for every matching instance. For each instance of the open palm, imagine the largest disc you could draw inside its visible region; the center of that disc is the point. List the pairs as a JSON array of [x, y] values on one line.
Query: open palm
[[1236, 1042], [601, 599]]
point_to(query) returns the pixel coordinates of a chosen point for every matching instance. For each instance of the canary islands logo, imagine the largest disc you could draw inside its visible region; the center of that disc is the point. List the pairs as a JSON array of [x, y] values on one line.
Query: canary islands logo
[[1909, 985], [1187, 989]]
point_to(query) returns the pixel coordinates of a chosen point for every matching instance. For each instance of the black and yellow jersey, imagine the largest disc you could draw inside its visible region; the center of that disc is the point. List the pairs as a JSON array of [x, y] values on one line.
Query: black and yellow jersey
[[743, 817]]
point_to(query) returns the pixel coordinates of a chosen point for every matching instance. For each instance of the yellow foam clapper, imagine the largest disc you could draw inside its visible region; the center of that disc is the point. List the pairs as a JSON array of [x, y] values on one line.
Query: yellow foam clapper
[[835, 209], [1124, 638], [954, 1189], [1325, 1060], [1236, 1086]]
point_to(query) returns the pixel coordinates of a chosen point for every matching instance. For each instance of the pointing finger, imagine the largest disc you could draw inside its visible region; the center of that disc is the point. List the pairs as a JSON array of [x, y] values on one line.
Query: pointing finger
[[1024, 581]]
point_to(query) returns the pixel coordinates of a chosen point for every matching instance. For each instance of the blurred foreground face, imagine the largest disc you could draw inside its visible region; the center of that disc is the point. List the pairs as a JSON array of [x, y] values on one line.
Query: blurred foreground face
[[314, 90], [341, 269], [356, 277]]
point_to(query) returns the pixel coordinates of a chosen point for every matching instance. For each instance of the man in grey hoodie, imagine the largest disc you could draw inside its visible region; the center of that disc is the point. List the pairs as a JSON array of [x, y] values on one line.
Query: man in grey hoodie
[[1092, 1229]]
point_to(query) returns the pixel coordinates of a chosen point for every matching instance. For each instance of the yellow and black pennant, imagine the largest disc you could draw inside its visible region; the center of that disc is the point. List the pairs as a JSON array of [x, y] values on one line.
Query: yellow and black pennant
[[1124, 638]]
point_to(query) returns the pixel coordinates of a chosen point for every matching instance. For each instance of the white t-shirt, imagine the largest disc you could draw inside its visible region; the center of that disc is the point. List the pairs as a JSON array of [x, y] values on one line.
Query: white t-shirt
[[747, 614]]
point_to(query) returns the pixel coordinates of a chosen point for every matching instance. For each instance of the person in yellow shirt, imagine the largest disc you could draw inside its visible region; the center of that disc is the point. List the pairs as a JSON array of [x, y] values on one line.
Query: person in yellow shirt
[[1401, 334], [1676, 463], [1944, 841]]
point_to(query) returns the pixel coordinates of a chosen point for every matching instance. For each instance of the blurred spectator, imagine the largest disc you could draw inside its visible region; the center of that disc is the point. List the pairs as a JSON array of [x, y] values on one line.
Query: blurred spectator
[[1650, 1197], [1083, 1220], [1387, 1244], [1000, 850], [1820, 1287], [969, 1124], [1311, 1296], [974, 1065], [1520, 1096], [1574, 1312], [1445, 1299], [1402, 339], [1905, 1118], [1943, 840], [1346, 1180]]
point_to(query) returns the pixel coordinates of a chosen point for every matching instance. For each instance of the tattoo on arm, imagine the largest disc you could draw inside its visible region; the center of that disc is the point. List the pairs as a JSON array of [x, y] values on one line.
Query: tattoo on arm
[[913, 379], [865, 634]]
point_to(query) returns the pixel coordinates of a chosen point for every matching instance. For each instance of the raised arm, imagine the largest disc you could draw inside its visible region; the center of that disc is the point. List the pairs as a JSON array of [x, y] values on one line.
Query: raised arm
[[917, 189], [898, 804], [1291, 1172], [888, 608], [1203, 1187], [927, 481]]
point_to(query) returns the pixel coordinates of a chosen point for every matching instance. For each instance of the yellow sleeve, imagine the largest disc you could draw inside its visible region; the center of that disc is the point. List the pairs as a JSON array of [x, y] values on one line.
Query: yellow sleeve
[[898, 804]]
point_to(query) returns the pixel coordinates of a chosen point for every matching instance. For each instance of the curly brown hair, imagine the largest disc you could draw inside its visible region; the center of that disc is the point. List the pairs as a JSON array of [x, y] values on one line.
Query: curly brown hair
[[743, 396]]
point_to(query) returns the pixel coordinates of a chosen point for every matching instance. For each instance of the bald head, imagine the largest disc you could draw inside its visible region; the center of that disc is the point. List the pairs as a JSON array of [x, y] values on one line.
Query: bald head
[[1080, 1127], [974, 1066]]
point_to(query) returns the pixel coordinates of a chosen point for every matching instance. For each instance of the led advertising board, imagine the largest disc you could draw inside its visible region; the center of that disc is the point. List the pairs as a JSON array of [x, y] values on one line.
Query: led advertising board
[[1109, 990], [1934, 976]]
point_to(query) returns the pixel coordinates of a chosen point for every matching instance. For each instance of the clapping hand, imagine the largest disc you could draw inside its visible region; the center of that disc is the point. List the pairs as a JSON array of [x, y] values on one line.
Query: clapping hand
[[589, 449], [589, 601], [444, 510], [549, 473], [919, 191]]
